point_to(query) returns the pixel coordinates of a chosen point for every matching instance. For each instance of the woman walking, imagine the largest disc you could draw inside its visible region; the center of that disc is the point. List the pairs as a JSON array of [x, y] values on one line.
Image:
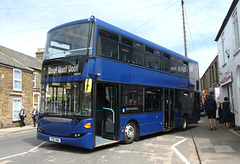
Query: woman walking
[[226, 107]]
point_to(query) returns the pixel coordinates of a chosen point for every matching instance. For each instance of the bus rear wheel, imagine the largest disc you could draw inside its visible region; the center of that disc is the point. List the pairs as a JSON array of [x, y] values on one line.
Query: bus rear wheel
[[129, 132], [184, 123]]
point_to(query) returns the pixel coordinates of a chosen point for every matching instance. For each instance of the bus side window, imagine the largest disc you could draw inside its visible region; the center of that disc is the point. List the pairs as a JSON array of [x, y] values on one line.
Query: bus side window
[[132, 99], [173, 68], [137, 57], [109, 49], [185, 68], [147, 60], [137, 53], [153, 99], [179, 69], [166, 62], [126, 54], [107, 45], [152, 61]]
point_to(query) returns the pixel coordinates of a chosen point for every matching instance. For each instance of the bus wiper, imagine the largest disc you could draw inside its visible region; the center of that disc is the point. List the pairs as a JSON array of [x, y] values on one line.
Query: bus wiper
[[73, 117]]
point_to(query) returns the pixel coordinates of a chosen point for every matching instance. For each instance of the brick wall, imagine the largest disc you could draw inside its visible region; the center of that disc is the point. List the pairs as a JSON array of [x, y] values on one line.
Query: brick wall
[[5, 100], [7, 94]]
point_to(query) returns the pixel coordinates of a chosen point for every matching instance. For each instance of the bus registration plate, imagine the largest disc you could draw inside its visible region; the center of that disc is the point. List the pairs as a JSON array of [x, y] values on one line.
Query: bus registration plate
[[58, 140]]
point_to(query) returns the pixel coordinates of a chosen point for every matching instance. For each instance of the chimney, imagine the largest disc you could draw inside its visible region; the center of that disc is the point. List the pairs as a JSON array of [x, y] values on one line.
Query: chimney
[[39, 53]]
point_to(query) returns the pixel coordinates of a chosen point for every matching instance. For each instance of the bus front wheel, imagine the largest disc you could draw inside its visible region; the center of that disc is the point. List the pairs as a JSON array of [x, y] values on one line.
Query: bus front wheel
[[129, 132]]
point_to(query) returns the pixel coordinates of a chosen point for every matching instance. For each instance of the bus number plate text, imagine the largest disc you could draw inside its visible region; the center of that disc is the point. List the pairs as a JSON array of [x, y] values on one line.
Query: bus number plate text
[[55, 139]]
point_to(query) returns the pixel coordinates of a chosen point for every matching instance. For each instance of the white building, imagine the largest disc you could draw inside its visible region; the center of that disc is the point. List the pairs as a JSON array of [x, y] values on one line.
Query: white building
[[228, 41]]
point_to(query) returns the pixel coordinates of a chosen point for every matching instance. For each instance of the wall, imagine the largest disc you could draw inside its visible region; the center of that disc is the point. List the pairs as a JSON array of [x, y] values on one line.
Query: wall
[[7, 94], [210, 79], [231, 66]]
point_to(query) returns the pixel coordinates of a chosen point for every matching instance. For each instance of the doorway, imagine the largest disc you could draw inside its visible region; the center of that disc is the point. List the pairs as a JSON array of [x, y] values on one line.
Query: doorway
[[168, 109], [106, 114]]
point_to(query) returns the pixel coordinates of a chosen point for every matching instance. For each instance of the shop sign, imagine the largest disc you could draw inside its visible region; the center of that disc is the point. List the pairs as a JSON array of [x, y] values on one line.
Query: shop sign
[[227, 78]]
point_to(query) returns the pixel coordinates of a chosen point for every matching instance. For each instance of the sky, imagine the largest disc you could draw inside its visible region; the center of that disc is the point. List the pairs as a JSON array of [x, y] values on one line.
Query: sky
[[24, 23]]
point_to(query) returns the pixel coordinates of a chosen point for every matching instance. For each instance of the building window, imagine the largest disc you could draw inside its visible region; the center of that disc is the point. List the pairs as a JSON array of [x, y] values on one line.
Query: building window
[[223, 49], [17, 80], [36, 100], [236, 30], [17, 103], [34, 80]]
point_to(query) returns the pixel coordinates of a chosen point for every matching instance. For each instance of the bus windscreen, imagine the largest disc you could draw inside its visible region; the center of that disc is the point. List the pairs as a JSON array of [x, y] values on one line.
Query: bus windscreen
[[67, 40]]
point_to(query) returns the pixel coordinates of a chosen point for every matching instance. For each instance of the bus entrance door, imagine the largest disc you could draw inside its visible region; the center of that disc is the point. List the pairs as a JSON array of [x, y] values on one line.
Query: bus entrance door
[[106, 104], [169, 109]]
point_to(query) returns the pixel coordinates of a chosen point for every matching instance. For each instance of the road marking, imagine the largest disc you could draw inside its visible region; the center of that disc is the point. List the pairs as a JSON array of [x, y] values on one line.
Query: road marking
[[15, 155], [178, 153]]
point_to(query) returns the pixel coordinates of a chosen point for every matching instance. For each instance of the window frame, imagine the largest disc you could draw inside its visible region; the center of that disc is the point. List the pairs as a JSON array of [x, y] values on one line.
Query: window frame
[[107, 36], [139, 54], [34, 81], [36, 103], [156, 92], [173, 64], [149, 49], [128, 51], [17, 80], [132, 99], [224, 55], [15, 116], [166, 59], [236, 31]]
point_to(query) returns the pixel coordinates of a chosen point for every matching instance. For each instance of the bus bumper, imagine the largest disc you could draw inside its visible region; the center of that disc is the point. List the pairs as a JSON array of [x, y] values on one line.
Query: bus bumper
[[86, 141]]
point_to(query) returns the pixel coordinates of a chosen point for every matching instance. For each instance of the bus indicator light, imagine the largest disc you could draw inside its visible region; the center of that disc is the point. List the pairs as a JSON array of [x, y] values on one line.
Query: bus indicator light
[[122, 130], [87, 126]]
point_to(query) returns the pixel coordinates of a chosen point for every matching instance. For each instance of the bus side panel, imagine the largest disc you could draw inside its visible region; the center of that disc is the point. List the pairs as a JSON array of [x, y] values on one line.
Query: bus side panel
[[148, 123], [113, 71], [193, 116], [178, 117], [151, 77]]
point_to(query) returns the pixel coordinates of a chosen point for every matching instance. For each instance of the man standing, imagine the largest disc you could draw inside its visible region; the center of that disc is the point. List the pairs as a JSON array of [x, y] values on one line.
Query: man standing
[[22, 115], [34, 116], [211, 107]]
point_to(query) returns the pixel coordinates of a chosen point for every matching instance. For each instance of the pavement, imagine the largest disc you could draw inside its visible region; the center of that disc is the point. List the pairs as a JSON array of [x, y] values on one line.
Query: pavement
[[219, 146], [8, 131]]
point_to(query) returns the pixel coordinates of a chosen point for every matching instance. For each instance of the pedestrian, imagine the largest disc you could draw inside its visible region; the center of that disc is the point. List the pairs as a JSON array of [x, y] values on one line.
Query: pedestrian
[[22, 115], [34, 116], [220, 112], [226, 108], [202, 113], [210, 108]]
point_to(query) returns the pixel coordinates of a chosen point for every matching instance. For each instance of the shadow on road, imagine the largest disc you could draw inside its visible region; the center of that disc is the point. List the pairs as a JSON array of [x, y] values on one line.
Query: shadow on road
[[66, 148]]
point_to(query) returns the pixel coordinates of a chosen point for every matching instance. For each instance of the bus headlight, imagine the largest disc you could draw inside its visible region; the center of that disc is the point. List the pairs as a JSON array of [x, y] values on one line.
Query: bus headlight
[[41, 130], [77, 135]]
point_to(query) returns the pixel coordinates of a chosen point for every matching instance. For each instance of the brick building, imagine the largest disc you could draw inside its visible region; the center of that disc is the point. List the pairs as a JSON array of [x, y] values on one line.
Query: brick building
[[210, 80], [19, 85]]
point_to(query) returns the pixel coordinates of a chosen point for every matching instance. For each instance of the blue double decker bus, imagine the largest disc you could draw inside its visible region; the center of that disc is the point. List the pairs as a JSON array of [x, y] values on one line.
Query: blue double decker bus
[[102, 85]]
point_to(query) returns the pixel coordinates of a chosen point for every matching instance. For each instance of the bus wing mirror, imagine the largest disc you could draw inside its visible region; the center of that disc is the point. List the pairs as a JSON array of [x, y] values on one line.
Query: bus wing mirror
[[88, 85]]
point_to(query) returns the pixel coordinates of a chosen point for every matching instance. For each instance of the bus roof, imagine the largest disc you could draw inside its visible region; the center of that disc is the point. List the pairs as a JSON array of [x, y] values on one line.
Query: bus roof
[[129, 35]]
